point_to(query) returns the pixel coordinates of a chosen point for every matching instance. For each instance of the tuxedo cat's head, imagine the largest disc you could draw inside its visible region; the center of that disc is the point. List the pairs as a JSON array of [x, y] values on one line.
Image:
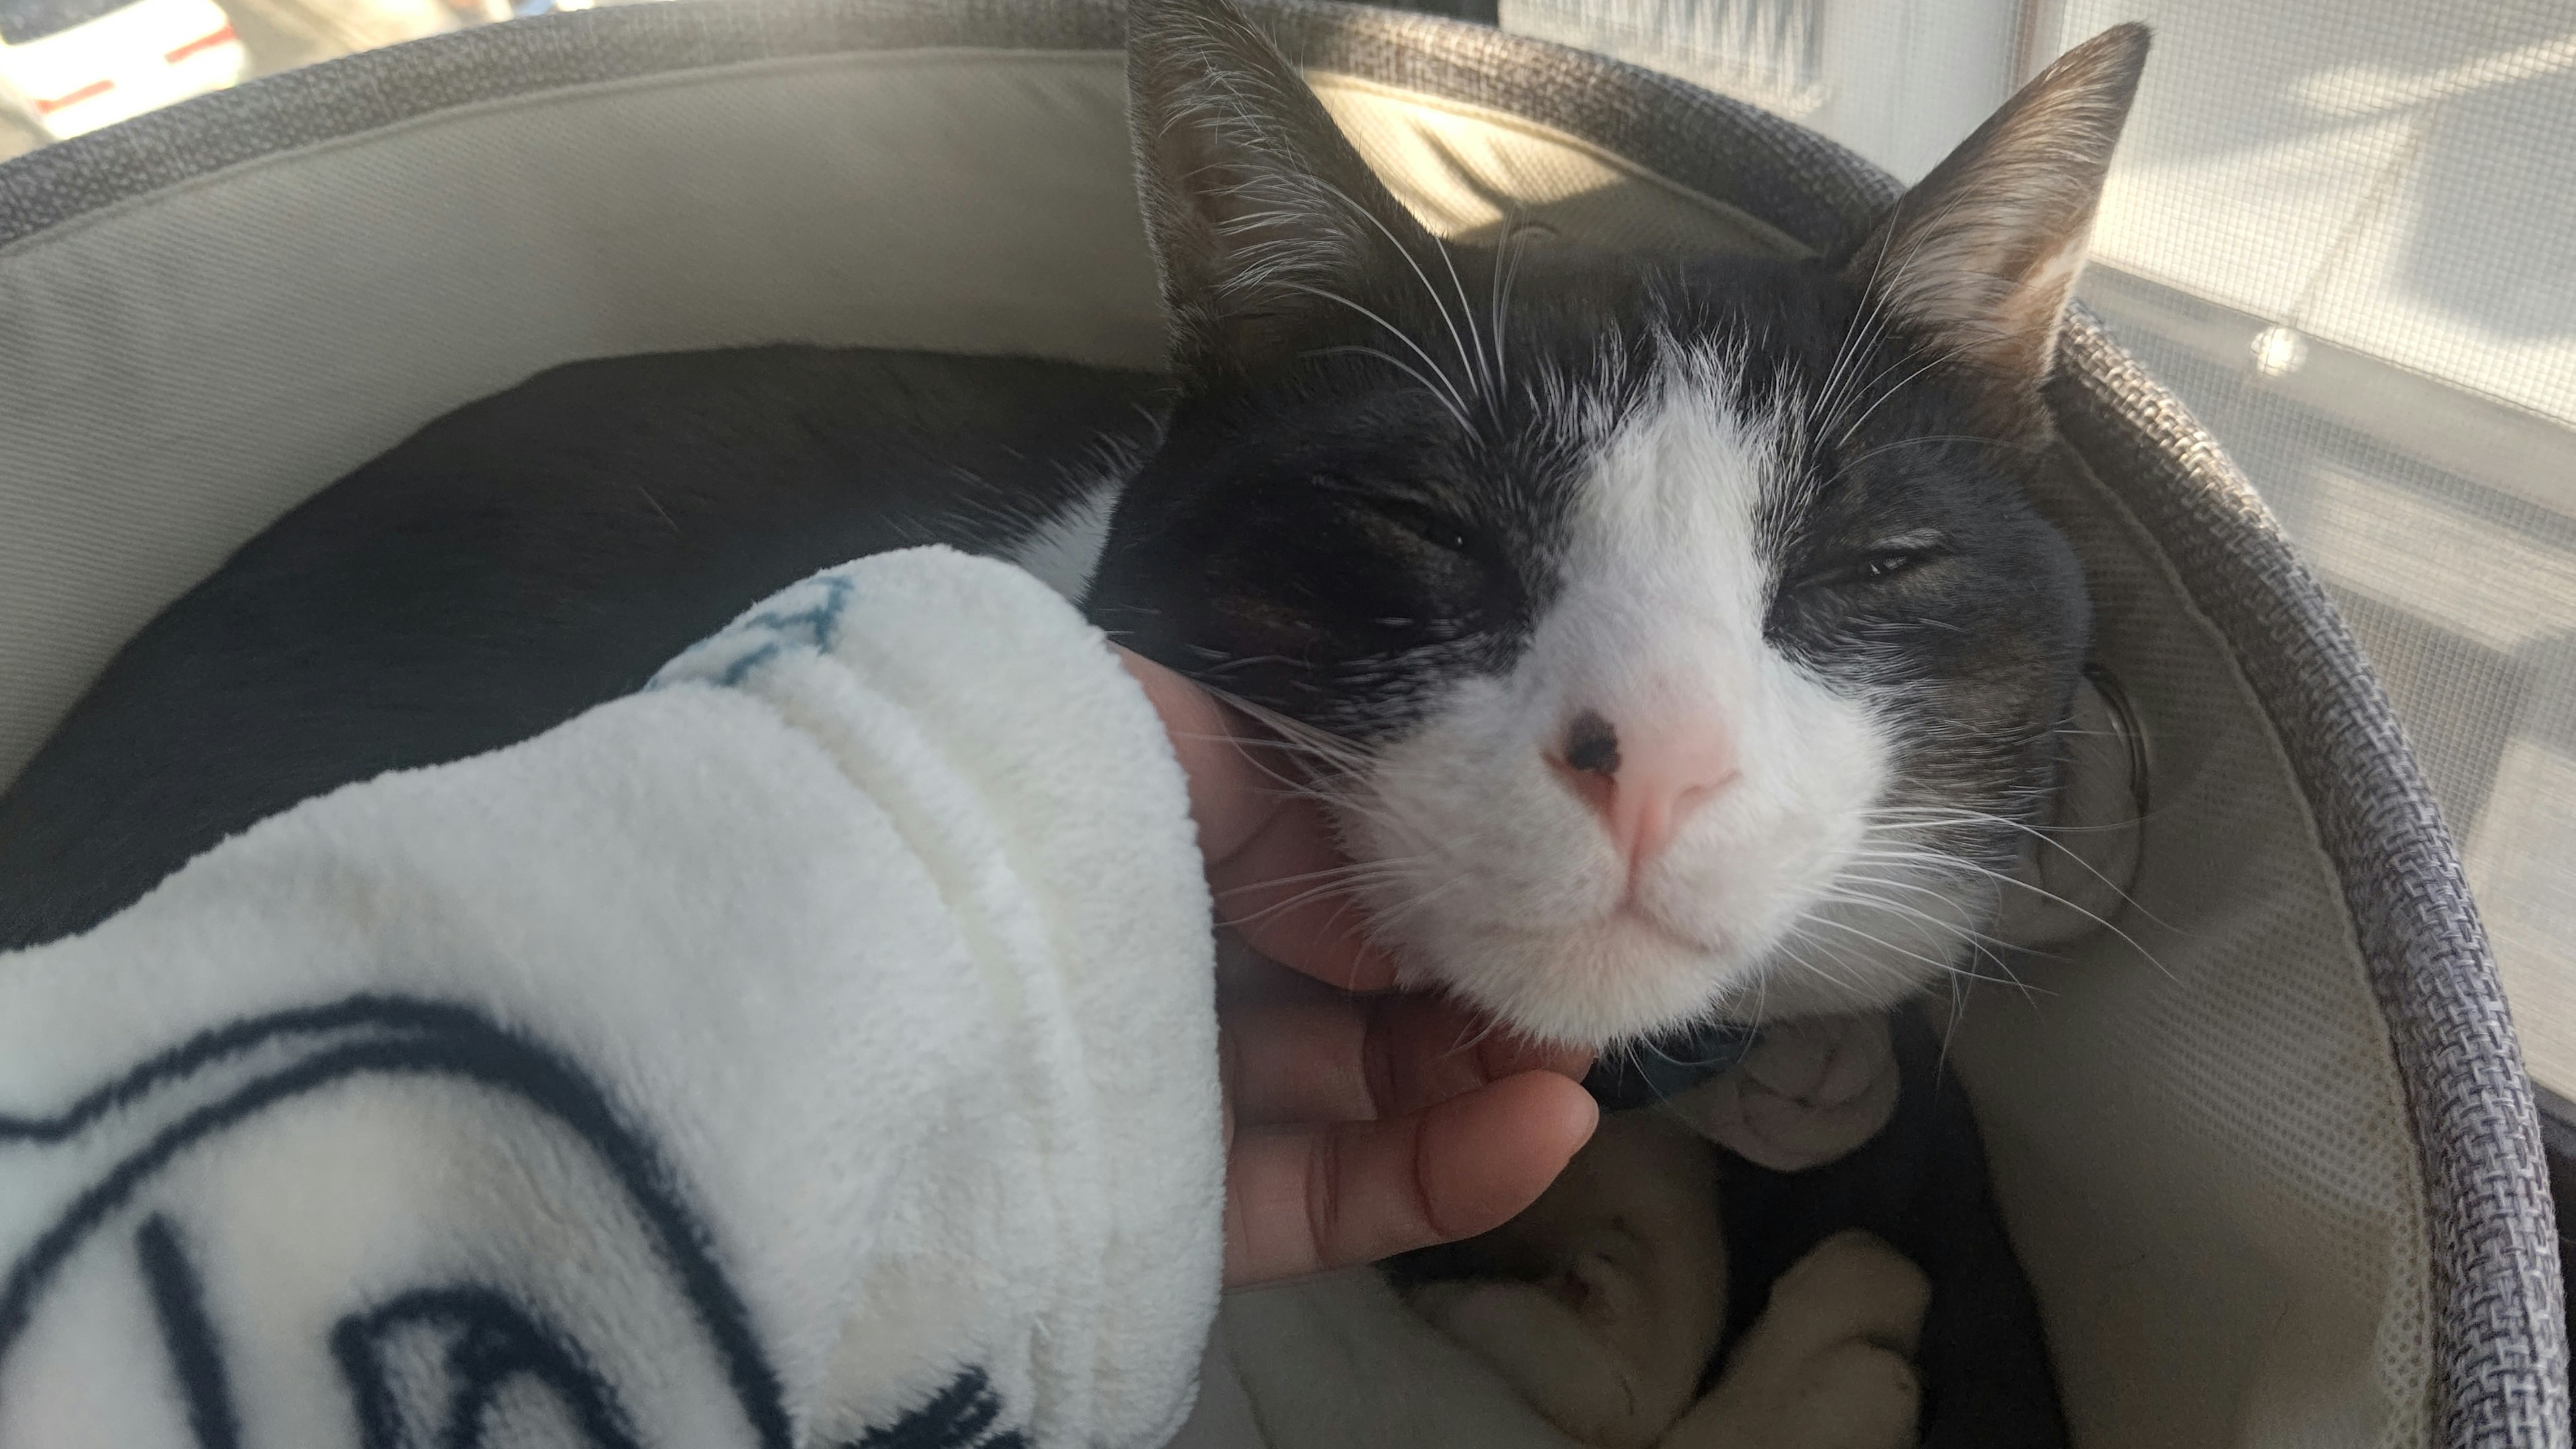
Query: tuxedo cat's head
[[1672, 639]]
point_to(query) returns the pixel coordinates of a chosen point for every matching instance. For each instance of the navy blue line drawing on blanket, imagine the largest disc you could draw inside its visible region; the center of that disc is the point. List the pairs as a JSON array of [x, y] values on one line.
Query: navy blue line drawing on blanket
[[475, 1343], [796, 619], [224, 1081], [179, 1302], [957, 1417]]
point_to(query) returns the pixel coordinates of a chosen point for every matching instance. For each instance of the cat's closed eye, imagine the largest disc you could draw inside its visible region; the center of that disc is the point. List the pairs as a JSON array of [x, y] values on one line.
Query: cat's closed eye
[[1879, 563], [1892, 563], [1411, 516]]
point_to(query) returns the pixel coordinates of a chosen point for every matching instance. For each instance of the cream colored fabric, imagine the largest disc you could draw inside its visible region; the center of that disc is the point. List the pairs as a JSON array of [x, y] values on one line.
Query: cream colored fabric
[[2198, 1132], [2204, 1159], [181, 370], [1468, 172]]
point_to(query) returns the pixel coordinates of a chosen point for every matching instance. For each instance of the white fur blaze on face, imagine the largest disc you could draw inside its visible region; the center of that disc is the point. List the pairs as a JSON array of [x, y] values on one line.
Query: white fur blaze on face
[[1500, 871]]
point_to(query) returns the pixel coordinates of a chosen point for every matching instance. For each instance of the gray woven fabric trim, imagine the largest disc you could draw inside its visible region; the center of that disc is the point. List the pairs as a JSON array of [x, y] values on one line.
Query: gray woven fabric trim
[[2500, 1339], [2500, 1334], [1806, 185], [359, 93]]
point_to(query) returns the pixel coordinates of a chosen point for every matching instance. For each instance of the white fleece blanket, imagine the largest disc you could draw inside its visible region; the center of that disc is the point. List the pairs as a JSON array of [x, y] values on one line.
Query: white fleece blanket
[[815, 1048]]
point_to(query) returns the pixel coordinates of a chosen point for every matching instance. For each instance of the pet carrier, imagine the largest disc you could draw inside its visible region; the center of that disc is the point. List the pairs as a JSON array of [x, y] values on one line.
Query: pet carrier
[[2268, 1151]]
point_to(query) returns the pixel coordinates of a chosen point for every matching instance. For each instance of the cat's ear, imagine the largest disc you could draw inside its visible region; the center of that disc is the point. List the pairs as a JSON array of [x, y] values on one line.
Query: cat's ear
[[1979, 258], [1259, 211]]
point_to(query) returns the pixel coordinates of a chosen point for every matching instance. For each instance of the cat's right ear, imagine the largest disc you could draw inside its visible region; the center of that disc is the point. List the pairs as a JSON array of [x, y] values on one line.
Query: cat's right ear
[[1979, 259], [1261, 215]]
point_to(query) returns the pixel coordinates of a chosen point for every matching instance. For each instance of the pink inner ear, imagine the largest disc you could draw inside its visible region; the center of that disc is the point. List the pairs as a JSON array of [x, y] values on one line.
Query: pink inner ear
[[1812, 1092], [1986, 248]]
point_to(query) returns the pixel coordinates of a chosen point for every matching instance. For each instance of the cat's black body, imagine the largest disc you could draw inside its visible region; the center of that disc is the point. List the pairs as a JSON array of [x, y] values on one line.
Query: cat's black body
[[515, 563]]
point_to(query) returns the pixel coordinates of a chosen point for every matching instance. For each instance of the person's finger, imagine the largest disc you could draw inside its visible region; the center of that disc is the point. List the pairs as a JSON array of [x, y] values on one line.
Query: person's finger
[[1300, 1061], [1319, 1058], [1304, 1200], [1433, 1047], [1232, 793], [1271, 858], [1286, 889]]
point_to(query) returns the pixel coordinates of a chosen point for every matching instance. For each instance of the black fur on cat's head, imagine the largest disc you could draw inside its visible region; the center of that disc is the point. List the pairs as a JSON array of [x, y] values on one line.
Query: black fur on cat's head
[[1673, 640]]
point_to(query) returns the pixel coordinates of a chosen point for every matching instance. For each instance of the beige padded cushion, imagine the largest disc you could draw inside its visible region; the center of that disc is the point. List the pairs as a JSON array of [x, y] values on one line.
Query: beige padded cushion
[[2198, 1133], [2203, 1159]]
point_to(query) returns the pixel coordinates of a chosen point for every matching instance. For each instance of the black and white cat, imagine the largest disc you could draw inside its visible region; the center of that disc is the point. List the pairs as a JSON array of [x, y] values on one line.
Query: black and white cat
[[1686, 640], [1674, 640]]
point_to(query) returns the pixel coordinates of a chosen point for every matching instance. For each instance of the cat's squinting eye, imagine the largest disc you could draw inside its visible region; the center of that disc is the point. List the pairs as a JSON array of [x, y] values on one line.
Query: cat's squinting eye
[[1872, 566], [1418, 519]]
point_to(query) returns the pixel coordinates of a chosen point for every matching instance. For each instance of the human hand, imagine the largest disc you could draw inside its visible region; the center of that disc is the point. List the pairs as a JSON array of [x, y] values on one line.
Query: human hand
[[1357, 1125]]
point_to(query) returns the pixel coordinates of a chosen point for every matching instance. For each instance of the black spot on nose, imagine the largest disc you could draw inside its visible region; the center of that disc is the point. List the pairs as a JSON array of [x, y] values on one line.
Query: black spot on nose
[[1592, 745]]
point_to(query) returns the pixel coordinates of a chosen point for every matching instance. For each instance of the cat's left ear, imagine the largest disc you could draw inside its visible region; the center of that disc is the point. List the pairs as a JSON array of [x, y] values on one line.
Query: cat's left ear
[[1979, 258], [1259, 210]]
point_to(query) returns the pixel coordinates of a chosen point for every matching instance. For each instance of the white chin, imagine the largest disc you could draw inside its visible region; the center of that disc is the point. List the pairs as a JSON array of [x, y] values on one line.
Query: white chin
[[1787, 993], [1626, 978], [1609, 982]]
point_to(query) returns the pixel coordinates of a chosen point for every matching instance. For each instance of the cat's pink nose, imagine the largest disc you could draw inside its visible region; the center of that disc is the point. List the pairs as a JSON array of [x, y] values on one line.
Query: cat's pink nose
[[1644, 783]]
